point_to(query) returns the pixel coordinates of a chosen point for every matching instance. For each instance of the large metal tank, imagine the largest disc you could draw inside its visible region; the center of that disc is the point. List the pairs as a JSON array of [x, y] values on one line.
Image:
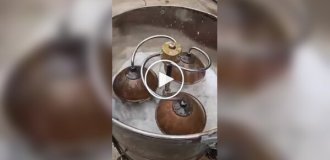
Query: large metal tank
[[189, 27]]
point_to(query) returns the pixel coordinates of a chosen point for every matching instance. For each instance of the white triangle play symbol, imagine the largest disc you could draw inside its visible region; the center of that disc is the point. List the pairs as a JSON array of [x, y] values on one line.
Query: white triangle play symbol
[[163, 79]]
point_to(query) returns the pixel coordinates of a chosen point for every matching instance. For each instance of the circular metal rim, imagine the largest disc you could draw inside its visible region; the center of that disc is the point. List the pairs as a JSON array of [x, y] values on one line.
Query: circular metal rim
[[97, 79], [189, 8]]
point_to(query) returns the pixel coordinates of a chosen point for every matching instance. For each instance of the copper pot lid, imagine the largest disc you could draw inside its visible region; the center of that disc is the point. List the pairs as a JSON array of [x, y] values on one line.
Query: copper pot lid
[[193, 68], [185, 115], [191, 61], [128, 85]]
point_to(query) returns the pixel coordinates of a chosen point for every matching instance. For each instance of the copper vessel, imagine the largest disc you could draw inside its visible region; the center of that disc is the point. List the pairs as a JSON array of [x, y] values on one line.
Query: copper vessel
[[184, 115], [189, 60], [193, 67], [173, 52], [128, 85], [50, 100]]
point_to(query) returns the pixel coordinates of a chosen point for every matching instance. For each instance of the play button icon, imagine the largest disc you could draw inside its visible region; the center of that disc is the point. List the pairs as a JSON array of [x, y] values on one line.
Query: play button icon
[[163, 79]]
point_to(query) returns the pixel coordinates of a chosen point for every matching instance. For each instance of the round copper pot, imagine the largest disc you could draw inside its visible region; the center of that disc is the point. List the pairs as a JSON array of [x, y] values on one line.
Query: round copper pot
[[50, 100], [189, 61], [128, 85], [174, 120]]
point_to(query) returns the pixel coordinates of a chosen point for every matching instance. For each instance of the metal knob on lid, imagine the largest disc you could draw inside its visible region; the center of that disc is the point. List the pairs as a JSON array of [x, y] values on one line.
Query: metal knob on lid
[[171, 51]]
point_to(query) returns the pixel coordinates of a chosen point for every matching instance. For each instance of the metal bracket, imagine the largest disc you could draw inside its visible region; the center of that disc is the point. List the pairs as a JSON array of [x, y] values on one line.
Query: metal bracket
[[211, 140], [120, 150]]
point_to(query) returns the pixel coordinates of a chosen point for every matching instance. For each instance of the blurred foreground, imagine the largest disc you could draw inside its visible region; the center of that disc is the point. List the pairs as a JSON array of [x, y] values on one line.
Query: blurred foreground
[[274, 80], [49, 108]]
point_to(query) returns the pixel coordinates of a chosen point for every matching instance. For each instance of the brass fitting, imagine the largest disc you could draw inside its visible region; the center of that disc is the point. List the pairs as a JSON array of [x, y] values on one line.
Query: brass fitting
[[171, 51]]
